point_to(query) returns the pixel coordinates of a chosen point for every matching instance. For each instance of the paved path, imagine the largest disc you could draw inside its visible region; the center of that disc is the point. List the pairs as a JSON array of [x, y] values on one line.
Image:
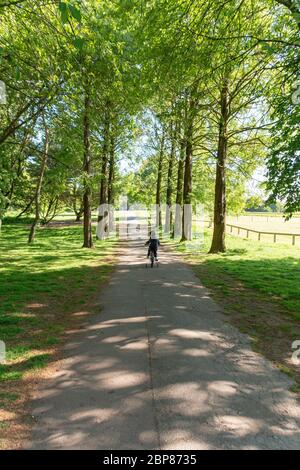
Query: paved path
[[159, 367]]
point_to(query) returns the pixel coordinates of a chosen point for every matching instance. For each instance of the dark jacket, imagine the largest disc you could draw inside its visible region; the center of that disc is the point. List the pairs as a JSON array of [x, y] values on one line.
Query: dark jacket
[[153, 243]]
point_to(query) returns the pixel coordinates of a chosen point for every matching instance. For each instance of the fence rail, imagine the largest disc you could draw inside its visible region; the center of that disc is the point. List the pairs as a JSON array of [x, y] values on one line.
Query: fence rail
[[259, 233]]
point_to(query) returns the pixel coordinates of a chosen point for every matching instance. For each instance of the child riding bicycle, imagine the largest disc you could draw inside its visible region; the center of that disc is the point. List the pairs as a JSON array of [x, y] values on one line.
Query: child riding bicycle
[[153, 243]]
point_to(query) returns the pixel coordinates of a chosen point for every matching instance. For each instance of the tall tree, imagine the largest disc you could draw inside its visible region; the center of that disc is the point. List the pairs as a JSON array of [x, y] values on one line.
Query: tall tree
[[159, 180], [218, 241], [87, 218], [40, 178], [168, 220]]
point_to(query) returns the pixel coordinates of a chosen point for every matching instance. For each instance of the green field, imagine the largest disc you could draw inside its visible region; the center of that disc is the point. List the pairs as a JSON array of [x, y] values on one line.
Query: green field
[[258, 287], [274, 223], [43, 288], [273, 269]]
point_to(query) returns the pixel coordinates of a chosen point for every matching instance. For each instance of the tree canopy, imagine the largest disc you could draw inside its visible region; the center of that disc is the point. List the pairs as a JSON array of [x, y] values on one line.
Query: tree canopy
[[171, 101]]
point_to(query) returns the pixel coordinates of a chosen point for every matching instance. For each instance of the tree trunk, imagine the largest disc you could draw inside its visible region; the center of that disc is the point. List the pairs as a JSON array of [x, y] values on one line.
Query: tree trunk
[[158, 182], [19, 163], [168, 220], [28, 206], [87, 216], [103, 184], [78, 212], [50, 210], [110, 185], [179, 193], [37, 197], [218, 241], [187, 182], [111, 173], [15, 123], [103, 212]]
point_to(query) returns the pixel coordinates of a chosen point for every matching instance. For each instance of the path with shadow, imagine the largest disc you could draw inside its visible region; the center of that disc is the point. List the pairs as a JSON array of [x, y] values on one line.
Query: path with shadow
[[159, 367]]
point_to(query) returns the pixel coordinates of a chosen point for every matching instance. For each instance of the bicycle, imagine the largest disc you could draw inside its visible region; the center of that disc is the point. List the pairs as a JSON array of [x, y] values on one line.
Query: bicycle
[[152, 259]]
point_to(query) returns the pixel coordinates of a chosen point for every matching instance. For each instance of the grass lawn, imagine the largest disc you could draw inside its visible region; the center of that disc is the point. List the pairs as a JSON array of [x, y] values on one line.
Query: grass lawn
[[45, 289], [258, 285]]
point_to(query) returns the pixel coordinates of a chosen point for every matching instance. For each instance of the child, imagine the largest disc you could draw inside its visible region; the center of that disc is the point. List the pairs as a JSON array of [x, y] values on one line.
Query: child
[[153, 243]]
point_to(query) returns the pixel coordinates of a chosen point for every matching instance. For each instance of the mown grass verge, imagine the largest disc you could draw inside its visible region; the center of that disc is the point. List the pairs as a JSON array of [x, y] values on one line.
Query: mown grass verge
[[45, 290], [258, 286]]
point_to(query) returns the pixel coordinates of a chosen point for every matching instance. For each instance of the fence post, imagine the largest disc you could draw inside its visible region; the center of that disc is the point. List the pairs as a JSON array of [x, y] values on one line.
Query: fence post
[[258, 236], [247, 233], [294, 239]]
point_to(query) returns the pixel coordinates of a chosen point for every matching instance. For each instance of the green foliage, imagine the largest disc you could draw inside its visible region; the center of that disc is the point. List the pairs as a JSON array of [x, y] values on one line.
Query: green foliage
[[284, 159], [67, 10], [147, 62]]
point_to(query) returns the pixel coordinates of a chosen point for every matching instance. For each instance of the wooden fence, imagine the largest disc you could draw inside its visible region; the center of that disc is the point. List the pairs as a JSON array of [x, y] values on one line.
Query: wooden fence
[[275, 235]]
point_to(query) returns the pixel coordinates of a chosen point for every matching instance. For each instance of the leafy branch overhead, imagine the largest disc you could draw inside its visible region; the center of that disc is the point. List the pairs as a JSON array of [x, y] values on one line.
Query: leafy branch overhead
[[169, 101]]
